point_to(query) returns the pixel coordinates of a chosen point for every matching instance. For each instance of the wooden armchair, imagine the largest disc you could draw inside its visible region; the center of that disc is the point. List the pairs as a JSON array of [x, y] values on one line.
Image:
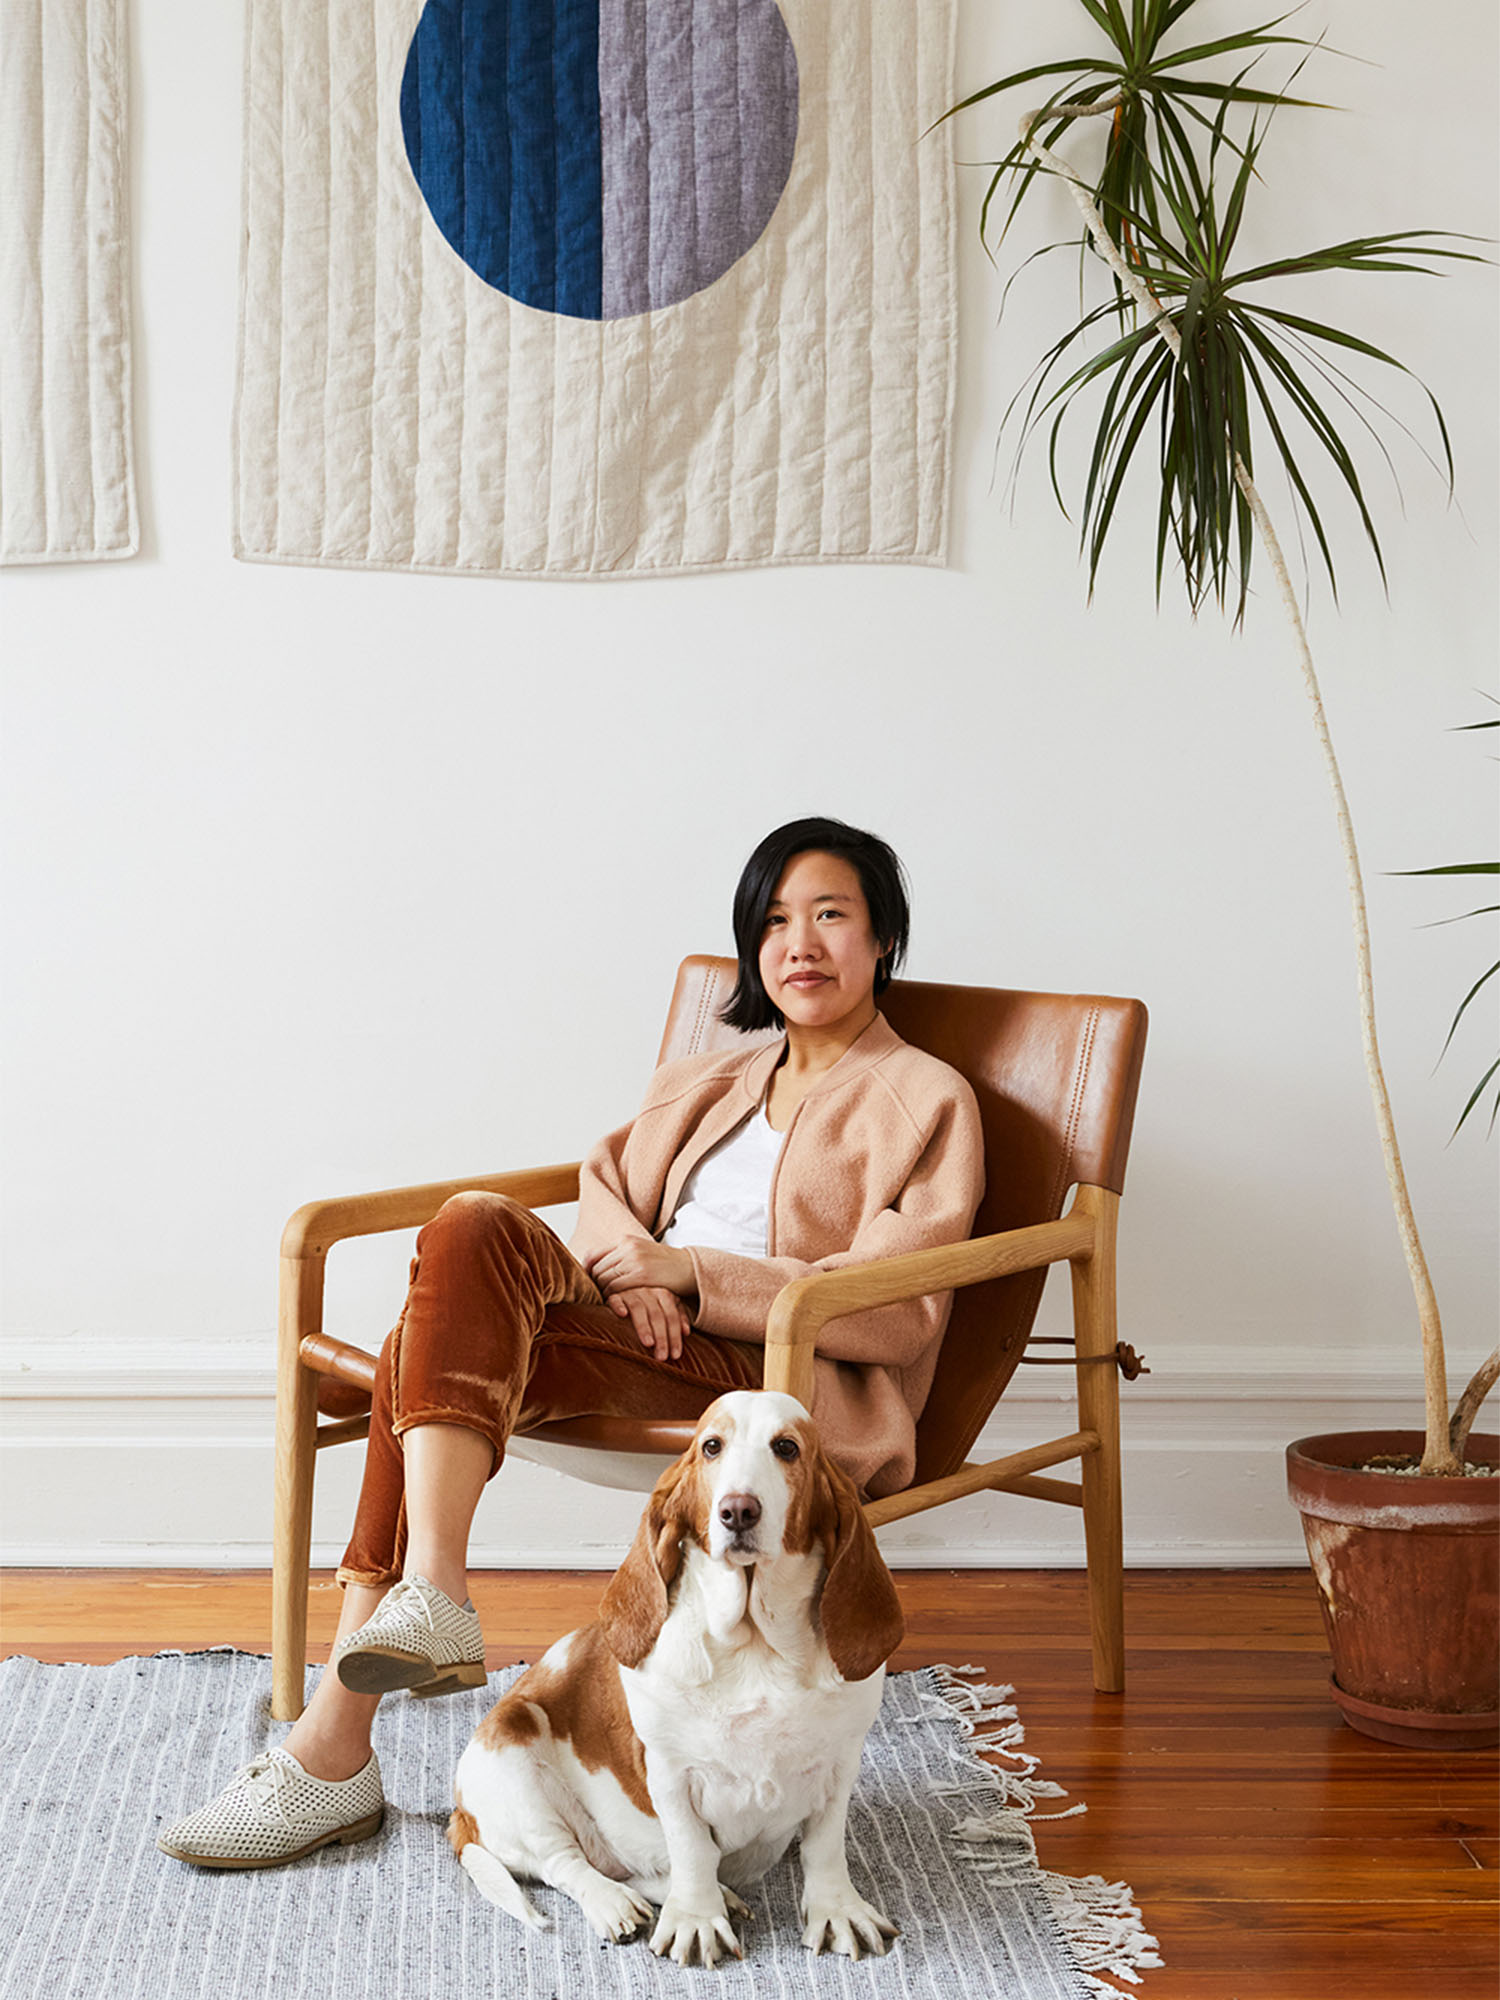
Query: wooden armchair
[[1056, 1079]]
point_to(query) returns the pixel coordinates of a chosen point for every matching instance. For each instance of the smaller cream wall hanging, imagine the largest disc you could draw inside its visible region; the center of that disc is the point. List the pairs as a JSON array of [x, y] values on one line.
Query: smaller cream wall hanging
[[595, 287], [67, 484]]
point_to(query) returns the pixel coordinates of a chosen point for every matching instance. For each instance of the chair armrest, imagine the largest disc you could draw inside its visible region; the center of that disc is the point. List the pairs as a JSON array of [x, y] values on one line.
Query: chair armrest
[[803, 1308], [319, 1224]]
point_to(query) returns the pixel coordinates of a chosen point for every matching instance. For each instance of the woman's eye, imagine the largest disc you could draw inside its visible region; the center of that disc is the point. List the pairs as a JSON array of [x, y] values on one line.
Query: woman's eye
[[786, 1448], [712, 1447]]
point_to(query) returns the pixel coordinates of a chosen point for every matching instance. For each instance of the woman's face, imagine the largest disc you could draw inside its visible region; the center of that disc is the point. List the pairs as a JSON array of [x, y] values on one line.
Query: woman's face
[[818, 951]]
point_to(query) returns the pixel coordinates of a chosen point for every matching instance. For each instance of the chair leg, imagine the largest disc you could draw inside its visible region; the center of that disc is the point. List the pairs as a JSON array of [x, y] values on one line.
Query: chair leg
[[1099, 1411], [301, 1311]]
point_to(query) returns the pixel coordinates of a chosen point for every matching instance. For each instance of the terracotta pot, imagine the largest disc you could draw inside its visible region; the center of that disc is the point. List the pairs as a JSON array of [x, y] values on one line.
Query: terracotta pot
[[1408, 1576]]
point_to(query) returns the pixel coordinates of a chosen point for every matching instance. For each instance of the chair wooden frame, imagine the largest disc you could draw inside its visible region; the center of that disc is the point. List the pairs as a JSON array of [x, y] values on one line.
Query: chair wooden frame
[[1083, 1238]]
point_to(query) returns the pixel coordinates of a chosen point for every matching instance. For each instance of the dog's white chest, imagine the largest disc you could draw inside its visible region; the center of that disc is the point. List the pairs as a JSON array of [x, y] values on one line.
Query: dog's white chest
[[756, 1768], [761, 1734]]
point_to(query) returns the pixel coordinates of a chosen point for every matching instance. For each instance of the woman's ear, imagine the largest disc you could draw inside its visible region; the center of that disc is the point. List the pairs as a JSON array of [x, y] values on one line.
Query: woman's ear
[[861, 1613], [634, 1606]]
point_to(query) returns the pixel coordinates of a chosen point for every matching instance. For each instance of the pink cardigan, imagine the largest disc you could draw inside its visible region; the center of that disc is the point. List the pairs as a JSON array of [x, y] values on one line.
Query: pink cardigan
[[884, 1155]]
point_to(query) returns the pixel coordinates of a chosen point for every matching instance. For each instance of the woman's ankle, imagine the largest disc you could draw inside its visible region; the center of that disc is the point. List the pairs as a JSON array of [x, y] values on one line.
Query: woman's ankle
[[331, 1737], [327, 1755], [452, 1582]]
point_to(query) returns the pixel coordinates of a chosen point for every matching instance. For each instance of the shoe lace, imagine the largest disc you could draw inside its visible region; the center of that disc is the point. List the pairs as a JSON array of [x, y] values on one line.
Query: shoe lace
[[265, 1779], [407, 1597]]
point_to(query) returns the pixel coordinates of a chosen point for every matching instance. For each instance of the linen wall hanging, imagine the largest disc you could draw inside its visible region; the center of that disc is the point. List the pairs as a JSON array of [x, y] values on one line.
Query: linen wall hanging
[[595, 287], [67, 484]]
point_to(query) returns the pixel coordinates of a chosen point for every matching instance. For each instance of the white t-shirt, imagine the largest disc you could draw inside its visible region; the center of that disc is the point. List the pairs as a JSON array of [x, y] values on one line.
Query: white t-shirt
[[726, 1199]]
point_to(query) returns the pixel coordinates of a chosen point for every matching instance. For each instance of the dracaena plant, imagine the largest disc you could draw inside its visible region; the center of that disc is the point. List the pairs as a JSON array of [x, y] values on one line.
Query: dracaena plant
[[1206, 374]]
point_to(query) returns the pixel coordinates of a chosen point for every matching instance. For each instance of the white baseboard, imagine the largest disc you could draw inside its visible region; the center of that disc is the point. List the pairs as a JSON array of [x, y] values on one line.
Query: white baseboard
[[159, 1456]]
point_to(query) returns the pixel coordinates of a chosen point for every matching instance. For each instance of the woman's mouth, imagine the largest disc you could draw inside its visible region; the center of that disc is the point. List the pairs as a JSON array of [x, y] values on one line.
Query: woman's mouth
[[808, 979]]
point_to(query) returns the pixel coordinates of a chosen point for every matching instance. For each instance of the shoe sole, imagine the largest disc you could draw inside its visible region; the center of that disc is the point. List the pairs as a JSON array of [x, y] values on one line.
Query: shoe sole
[[384, 1669], [346, 1836], [455, 1683]]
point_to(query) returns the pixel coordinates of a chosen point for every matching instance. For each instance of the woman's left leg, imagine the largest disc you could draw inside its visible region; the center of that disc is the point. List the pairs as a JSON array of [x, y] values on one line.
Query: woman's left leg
[[449, 1382], [446, 1470]]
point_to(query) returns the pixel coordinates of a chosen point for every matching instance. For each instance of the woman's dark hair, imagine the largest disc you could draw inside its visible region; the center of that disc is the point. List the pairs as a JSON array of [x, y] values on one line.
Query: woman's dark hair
[[880, 876]]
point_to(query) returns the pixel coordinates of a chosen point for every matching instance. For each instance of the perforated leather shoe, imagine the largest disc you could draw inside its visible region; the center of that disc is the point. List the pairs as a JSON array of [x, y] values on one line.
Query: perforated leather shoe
[[274, 1811], [418, 1638]]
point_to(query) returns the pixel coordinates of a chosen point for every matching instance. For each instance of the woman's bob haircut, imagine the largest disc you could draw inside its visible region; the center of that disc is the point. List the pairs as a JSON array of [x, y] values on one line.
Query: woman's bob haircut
[[880, 876]]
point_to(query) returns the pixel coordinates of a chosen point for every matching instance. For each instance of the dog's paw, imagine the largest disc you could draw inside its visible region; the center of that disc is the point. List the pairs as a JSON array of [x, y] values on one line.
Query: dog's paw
[[846, 1924], [614, 1910], [736, 1905], [693, 1937]]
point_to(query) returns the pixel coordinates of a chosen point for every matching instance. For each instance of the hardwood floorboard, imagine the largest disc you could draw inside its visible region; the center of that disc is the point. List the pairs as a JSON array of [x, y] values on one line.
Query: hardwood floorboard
[[1341, 1964], [1276, 1854], [1466, 1928], [1192, 1824]]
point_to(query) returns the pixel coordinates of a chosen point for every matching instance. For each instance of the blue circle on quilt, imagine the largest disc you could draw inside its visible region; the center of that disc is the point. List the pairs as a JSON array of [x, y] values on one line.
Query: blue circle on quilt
[[600, 158]]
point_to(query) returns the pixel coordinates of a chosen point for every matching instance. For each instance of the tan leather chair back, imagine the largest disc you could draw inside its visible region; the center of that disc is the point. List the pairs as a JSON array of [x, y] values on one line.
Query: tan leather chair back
[[1056, 1076]]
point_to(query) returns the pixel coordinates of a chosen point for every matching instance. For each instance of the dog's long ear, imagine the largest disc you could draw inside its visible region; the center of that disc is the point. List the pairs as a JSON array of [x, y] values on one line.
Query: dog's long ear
[[861, 1613], [634, 1606]]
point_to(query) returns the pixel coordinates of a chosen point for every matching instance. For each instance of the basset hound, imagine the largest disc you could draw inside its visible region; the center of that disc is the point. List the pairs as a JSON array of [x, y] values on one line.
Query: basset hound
[[671, 1752]]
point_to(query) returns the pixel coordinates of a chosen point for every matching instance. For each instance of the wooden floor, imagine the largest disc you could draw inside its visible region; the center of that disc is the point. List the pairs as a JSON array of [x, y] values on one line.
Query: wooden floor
[[1276, 1854]]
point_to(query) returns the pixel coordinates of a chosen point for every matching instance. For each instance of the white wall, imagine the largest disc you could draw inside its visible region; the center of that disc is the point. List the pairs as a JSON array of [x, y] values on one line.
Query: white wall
[[321, 881]]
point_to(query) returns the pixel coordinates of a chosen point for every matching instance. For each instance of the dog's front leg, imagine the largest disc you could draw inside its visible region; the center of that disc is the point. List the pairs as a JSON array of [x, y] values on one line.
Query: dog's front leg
[[694, 1920], [615, 1909], [835, 1916]]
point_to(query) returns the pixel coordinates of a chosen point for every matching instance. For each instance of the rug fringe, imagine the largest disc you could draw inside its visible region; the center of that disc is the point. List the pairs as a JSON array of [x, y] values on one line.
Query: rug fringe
[[987, 1717], [1104, 1928]]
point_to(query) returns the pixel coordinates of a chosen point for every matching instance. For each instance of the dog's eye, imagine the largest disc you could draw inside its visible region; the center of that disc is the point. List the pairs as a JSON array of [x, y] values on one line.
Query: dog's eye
[[712, 1447], [787, 1448]]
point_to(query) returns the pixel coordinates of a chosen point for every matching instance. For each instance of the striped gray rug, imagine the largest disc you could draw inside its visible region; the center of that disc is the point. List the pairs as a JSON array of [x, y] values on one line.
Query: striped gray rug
[[94, 1760]]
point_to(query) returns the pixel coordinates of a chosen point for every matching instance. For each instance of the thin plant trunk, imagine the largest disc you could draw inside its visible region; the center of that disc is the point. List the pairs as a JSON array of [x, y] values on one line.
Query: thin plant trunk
[[1486, 1375], [1438, 1457]]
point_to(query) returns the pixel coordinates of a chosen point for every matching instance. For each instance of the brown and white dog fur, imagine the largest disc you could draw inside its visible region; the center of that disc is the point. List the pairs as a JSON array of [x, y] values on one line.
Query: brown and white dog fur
[[671, 1752]]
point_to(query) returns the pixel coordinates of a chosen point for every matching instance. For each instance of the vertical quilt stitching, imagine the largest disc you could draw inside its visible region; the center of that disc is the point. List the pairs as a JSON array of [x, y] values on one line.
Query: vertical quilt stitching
[[772, 494]]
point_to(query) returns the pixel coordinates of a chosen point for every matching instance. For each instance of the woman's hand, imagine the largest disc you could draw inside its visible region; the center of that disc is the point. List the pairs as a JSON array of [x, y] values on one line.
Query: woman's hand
[[658, 1316], [638, 1261], [645, 1282]]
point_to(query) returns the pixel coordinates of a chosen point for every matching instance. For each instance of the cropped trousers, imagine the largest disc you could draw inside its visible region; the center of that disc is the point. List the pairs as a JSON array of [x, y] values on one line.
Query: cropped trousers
[[503, 1329]]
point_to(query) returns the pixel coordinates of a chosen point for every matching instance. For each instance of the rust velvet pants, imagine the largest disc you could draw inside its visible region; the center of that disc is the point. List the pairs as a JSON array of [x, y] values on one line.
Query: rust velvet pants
[[503, 1329]]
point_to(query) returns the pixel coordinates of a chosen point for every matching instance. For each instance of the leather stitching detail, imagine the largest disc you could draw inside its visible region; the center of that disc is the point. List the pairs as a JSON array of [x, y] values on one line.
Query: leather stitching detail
[[1080, 1080], [704, 997]]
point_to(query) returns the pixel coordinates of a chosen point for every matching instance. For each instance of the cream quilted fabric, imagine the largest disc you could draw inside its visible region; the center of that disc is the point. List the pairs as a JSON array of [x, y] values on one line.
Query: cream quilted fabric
[[395, 409], [67, 485]]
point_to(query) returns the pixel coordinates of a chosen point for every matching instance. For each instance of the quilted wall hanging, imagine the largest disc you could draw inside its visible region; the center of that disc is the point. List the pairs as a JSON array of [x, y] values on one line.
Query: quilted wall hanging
[[67, 487], [595, 287]]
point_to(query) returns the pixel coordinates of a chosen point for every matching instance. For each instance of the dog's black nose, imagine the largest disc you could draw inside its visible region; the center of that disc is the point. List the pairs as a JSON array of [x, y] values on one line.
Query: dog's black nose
[[739, 1511]]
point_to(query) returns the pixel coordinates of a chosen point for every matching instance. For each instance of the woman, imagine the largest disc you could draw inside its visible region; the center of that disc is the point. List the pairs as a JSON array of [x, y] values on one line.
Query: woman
[[741, 1172]]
